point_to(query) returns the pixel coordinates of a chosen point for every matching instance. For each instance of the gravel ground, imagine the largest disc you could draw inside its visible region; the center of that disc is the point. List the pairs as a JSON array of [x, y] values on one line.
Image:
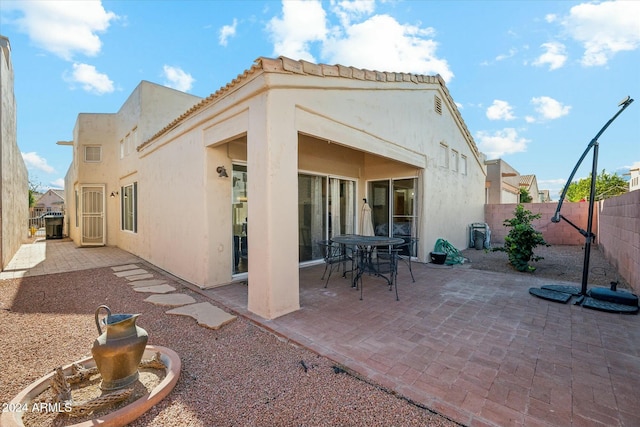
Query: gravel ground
[[239, 375], [560, 263]]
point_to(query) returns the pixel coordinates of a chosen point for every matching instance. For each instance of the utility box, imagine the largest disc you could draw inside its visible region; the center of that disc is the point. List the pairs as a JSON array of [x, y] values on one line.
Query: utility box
[[53, 224], [479, 235]]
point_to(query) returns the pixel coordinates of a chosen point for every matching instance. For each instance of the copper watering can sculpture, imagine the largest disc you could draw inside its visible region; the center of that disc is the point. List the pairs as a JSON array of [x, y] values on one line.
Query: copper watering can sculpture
[[118, 351]]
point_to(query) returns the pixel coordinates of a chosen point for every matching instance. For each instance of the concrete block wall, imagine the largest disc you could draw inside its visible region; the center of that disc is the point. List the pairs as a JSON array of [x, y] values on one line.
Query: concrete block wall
[[560, 233], [619, 235]]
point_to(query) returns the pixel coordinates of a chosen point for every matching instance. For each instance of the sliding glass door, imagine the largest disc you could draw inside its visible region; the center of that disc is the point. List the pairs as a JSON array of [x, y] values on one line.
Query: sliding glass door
[[239, 214], [326, 208], [393, 208]]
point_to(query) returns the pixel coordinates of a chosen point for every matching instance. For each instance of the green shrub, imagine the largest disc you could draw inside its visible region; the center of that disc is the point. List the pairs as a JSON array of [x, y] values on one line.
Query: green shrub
[[522, 239]]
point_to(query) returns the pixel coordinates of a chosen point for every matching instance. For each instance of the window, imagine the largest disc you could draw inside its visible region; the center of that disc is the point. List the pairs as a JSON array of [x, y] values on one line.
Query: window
[[463, 164], [454, 160], [92, 154], [129, 207], [129, 143], [444, 155]]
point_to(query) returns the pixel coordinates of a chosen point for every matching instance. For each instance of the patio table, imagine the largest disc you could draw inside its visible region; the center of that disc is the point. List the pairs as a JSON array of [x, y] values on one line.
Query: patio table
[[366, 245]]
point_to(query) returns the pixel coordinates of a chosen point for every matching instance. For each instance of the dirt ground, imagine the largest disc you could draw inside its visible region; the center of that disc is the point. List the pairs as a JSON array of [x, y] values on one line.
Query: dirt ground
[[563, 263]]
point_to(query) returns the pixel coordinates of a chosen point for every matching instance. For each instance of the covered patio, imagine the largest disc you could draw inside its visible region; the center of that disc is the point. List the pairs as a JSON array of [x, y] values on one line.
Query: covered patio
[[469, 344]]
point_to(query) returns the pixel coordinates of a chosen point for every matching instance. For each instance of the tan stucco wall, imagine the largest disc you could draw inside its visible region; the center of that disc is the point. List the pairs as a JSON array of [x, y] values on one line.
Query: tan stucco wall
[[147, 110], [14, 187], [278, 125]]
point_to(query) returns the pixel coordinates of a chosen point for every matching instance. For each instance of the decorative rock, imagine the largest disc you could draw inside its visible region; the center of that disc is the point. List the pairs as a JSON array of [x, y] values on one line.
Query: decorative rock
[[206, 314], [159, 289], [126, 273], [171, 299], [152, 282], [124, 267], [140, 276]]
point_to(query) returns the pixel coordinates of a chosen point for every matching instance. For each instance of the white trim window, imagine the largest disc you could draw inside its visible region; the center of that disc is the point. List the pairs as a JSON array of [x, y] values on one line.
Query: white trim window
[[129, 207], [444, 155], [92, 153]]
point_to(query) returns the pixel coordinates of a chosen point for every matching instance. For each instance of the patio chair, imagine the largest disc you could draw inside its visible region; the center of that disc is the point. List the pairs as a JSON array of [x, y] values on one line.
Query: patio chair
[[384, 264], [334, 254], [408, 250]]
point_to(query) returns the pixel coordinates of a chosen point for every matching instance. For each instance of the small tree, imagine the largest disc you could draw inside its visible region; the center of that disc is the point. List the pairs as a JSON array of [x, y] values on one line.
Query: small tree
[[33, 189], [522, 239], [525, 197], [607, 185]]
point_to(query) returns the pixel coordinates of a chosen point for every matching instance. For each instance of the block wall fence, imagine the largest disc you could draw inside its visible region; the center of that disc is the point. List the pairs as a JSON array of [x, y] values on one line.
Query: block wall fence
[[616, 223]]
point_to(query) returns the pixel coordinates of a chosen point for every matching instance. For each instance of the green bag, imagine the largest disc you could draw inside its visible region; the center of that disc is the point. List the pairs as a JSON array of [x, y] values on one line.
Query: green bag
[[453, 255]]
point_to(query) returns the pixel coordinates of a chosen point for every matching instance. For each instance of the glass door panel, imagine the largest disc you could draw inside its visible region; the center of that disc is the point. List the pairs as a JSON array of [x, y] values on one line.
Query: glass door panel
[[404, 212], [380, 207], [239, 215], [394, 209], [312, 215]]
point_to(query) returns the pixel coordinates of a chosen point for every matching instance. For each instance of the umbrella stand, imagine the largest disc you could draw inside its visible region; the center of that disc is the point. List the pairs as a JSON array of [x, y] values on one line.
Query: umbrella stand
[[607, 300]]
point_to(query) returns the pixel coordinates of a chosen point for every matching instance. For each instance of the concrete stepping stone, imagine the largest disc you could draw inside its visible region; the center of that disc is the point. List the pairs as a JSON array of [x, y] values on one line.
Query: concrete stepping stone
[[140, 276], [158, 289], [124, 267], [152, 282], [133, 272], [171, 299], [205, 313]]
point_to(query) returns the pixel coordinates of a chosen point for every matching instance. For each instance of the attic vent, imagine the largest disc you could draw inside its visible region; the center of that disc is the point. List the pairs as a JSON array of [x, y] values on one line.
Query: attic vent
[[437, 104]]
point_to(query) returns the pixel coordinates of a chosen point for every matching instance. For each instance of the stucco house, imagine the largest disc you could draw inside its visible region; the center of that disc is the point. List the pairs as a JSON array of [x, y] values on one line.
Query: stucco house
[[634, 179], [246, 182], [503, 183], [530, 183], [51, 200]]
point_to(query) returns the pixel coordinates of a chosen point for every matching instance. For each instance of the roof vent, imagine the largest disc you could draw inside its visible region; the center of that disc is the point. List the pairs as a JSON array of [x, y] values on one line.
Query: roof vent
[[437, 104]]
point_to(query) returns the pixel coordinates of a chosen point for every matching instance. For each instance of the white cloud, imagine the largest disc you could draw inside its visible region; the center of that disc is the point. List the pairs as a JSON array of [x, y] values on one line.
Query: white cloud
[[555, 55], [91, 80], [176, 78], [501, 142], [382, 43], [549, 109], [604, 29], [550, 17], [500, 110], [349, 10], [376, 42], [302, 22], [227, 31], [58, 183], [511, 54], [34, 161], [62, 27]]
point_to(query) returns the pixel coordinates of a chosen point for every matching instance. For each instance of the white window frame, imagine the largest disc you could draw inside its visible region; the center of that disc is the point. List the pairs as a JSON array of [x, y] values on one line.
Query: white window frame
[[444, 156], [455, 159], [129, 219], [90, 159]]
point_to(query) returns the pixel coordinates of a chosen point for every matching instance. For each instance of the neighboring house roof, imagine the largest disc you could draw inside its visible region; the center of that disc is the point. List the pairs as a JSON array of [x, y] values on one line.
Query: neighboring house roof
[[58, 192], [526, 180], [290, 66]]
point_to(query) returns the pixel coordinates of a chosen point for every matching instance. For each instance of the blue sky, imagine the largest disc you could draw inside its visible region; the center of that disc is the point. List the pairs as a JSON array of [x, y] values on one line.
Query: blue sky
[[534, 80]]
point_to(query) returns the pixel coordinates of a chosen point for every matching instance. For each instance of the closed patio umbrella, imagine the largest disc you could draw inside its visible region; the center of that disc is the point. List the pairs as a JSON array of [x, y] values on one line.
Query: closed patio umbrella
[[366, 222]]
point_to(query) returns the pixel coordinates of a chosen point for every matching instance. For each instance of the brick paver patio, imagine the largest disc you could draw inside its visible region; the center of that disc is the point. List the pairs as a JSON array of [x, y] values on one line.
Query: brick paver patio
[[469, 344]]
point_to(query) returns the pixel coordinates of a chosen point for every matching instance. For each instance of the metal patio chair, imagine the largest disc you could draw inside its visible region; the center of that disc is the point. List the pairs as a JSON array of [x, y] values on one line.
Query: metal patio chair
[[334, 254]]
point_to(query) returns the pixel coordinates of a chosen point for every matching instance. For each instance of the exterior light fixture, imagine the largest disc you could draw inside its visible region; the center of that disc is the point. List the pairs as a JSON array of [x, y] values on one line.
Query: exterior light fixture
[[113, 194], [222, 172]]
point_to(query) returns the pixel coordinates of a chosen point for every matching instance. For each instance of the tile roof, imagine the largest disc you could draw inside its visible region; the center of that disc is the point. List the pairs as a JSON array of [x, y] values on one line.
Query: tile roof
[[526, 180], [286, 65]]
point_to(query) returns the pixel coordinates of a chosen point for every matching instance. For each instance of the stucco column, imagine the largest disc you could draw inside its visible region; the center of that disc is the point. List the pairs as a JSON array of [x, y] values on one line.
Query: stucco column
[[272, 166]]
